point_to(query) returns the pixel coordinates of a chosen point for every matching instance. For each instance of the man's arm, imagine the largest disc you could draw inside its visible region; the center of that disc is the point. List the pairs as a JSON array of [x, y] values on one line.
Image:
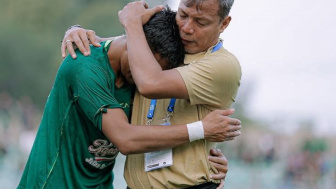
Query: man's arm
[[151, 80], [139, 139]]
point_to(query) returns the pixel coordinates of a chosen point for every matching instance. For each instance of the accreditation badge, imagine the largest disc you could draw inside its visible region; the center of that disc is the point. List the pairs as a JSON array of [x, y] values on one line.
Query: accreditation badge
[[159, 159]]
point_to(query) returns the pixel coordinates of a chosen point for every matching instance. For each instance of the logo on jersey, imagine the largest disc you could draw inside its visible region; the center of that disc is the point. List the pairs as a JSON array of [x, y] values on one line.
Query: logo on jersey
[[124, 105], [105, 153]]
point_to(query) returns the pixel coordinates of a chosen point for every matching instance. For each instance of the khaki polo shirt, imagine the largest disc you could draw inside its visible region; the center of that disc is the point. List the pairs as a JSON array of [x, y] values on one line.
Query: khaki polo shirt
[[212, 81]]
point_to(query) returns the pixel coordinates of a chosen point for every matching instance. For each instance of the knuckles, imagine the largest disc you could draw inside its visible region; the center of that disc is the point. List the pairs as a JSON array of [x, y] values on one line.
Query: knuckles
[[91, 32]]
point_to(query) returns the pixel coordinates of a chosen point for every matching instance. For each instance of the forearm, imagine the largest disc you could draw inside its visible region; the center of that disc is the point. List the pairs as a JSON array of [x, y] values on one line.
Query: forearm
[[152, 138], [215, 127], [145, 69], [138, 139]]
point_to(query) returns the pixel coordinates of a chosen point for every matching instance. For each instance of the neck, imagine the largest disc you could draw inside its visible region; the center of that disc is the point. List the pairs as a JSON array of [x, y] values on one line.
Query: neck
[[116, 52]]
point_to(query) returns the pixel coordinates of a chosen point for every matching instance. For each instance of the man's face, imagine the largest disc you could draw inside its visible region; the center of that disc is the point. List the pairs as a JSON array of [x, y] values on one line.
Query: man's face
[[200, 29], [126, 71]]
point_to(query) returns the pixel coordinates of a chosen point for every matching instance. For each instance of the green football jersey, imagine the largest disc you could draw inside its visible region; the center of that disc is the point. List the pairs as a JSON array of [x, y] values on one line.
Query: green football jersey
[[70, 150]]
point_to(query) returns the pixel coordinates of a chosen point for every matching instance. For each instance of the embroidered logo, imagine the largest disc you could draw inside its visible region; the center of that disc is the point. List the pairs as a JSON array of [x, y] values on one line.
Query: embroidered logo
[[105, 153], [124, 105]]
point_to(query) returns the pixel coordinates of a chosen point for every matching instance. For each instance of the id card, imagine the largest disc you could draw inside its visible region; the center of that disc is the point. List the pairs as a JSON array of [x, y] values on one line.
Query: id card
[[158, 159]]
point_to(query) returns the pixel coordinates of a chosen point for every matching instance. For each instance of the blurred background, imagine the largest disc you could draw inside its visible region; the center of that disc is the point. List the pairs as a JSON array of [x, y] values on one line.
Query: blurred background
[[286, 100]]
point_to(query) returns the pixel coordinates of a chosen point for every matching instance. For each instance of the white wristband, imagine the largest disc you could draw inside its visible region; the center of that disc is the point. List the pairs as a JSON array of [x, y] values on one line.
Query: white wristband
[[195, 131]]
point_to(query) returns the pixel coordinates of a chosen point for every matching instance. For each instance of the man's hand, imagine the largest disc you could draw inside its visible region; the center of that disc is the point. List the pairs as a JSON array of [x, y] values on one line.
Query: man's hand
[[137, 13], [219, 161], [79, 38], [218, 127]]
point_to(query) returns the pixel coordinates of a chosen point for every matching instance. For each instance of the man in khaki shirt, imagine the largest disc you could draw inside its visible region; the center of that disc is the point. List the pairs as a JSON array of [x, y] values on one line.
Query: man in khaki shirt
[[190, 164], [208, 80]]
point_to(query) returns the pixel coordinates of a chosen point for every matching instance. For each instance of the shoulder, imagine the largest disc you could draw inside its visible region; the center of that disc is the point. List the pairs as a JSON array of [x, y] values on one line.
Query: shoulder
[[212, 64], [221, 59], [84, 67]]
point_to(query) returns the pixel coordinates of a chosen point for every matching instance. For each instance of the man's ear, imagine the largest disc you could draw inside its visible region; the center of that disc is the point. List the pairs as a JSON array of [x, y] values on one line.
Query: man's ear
[[225, 23]]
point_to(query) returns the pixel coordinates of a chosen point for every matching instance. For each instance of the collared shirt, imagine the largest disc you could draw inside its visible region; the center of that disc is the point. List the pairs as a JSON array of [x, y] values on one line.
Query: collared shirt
[[212, 81]]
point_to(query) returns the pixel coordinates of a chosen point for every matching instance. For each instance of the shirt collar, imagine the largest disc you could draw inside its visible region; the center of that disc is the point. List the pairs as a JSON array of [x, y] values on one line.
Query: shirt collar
[[192, 58]]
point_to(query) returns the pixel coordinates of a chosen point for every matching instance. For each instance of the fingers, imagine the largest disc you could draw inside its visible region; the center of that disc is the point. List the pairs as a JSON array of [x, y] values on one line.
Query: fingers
[[150, 12], [67, 44], [78, 38], [136, 12], [234, 130], [71, 40], [218, 127], [221, 185], [218, 176], [76, 43], [71, 49], [144, 4], [63, 49], [217, 156], [227, 112], [223, 115], [229, 139], [222, 170], [232, 135], [156, 9], [83, 44], [219, 161], [234, 121], [216, 152], [92, 38]]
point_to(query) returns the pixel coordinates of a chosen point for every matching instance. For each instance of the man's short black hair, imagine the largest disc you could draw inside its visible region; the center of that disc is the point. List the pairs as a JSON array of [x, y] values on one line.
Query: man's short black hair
[[163, 37], [224, 6]]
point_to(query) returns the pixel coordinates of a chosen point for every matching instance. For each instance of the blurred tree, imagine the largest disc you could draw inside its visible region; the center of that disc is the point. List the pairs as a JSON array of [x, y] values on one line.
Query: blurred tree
[[30, 39], [26, 67]]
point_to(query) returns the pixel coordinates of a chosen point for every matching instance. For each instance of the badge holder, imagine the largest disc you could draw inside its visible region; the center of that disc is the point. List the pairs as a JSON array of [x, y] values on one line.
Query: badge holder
[[162, 158]]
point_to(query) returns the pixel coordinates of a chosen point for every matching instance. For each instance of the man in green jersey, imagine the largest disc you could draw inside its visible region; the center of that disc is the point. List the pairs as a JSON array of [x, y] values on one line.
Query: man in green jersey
[[85, 122]]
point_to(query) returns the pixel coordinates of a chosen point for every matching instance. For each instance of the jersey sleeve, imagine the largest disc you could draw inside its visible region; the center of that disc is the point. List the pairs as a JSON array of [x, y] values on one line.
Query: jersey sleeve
[[93, 86], [212, 81]]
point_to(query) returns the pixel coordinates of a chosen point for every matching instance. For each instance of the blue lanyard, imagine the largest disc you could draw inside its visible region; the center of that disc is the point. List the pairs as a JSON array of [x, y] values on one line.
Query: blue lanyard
[[217, 47], [151, 110], [152, 106]]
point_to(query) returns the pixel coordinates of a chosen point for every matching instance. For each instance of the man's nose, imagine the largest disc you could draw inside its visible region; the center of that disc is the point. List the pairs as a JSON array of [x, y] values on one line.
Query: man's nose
[[188, 27]]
